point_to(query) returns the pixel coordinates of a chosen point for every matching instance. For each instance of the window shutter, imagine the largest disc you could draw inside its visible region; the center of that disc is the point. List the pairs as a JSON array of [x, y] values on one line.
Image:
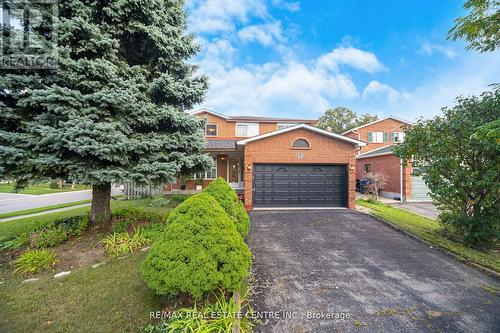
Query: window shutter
[[393, 135], [385, 136], [370, 137]]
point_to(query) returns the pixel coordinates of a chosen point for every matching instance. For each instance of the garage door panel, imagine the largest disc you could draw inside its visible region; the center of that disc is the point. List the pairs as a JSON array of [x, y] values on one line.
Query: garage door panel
[[288, 185]]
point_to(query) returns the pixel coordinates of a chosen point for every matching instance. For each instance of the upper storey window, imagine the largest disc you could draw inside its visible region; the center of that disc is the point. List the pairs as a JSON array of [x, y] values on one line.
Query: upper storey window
[[211, 130], [247, 129], [377, 137], [398, 136]]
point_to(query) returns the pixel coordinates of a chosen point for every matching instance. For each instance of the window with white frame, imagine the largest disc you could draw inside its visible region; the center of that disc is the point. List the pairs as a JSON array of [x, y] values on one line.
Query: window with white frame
[[398, 136], [247, 129], [285, 125], [209, 174], [376, 137]]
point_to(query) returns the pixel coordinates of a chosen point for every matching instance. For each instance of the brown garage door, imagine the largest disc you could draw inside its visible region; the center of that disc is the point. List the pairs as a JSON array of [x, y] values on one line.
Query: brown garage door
[[296, 185]]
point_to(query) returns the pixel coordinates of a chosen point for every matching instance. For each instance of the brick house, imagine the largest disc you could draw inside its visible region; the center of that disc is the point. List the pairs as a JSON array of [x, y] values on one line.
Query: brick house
[[377, 156], [279, 162]]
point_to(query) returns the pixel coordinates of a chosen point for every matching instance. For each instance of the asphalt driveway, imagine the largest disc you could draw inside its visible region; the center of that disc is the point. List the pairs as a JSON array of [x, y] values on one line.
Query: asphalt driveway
[[346, 264]]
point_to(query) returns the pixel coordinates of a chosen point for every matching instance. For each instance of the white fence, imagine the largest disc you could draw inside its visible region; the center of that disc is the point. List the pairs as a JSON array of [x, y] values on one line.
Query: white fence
[[134, 191]]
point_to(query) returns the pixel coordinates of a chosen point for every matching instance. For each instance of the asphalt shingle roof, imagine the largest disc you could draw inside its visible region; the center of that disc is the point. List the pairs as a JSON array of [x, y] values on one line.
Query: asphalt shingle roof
[[221, 144], [383, 150]]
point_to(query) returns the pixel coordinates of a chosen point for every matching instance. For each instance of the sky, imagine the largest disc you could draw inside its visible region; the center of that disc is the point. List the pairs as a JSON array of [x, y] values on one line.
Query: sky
[[286, 58]]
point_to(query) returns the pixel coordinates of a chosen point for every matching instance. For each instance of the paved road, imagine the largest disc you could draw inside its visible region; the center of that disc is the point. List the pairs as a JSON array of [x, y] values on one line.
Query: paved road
[[16, 202], [426, 209], [339, 262]]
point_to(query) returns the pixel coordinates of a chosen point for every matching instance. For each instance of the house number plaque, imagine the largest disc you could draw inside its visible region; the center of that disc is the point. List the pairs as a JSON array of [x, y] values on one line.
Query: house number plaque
[[300, 155]]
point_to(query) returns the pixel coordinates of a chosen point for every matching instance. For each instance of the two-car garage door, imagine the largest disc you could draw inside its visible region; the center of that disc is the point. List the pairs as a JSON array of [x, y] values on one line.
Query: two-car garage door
[[296, 185]]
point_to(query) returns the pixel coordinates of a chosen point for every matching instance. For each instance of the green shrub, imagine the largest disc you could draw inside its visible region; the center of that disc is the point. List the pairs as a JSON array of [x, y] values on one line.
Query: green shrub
[[124, 217], [178, 198], [228, 199], [220, 316], [159, 202], [199, 252], [17, 242], [50, 236], [481, 231], [34, 261], [123, 243], [74, 225]]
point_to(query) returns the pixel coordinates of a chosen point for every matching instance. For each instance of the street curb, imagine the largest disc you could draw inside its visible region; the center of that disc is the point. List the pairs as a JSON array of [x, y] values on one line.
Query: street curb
[[469, 263]]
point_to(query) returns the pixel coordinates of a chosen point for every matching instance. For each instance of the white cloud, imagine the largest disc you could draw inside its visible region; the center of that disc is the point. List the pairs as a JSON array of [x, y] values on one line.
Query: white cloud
[[264, 34], [428, 48], [352, 57], [377, 89], [290, 6], [471, 75], [211, 16], [276, 88]]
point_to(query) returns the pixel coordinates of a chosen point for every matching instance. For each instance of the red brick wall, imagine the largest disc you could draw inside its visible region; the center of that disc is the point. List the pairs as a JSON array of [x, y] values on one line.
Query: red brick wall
[[278, 149], [388, 126], [222, 166], [388, 165]]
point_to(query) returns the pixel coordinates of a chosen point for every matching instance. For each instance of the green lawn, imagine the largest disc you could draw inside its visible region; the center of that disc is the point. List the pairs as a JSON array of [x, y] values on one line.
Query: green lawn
[[109, 298], [430, 231], [38, 189]]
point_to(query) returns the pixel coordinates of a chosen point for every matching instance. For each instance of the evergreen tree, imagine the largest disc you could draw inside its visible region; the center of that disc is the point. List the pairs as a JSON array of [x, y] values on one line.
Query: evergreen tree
[[113, 110]]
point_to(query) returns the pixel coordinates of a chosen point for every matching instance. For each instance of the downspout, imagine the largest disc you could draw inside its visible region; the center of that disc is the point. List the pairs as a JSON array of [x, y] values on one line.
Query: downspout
[[401, 180]]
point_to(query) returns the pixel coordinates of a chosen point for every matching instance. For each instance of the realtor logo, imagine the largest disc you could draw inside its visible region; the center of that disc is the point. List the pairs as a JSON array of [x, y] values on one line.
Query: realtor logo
[[29, 34]]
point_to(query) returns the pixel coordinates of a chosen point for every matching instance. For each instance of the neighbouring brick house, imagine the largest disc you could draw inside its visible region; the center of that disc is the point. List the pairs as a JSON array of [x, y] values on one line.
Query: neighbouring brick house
[[377, 156], [279, 162]]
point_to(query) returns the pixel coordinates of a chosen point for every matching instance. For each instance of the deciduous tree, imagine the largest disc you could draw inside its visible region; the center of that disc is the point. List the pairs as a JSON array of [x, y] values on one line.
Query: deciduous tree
[[461, 170], [341, 119], [481, 27]]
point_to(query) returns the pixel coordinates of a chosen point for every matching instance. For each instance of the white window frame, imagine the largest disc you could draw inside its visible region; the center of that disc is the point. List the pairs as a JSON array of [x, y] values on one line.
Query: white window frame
[[206, 173], [248, 134], [285, 125], [399, 137], [216, 129], [377, 137]]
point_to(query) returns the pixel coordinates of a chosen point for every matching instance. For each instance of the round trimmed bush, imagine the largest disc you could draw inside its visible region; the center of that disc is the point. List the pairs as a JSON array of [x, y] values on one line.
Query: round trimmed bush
[[199, 252], [228, 199]]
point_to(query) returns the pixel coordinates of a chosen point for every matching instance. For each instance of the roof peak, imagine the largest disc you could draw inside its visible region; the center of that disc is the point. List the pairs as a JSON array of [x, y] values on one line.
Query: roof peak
[[379, 120]]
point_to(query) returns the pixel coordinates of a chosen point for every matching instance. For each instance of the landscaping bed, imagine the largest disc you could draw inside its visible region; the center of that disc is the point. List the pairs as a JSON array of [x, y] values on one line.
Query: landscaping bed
[[112, 265], [431, 231]]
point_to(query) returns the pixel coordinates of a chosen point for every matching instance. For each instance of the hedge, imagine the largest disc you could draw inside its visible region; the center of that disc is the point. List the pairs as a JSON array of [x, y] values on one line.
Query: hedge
[[228, 199], [199, 252]]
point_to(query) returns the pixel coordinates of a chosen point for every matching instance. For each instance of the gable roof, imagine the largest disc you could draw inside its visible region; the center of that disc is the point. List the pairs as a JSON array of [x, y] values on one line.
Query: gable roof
[[358, 143], [377, 121], [252, 118], [385, 150]]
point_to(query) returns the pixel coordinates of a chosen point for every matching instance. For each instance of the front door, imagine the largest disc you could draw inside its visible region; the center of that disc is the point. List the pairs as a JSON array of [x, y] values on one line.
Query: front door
[[234, 172]]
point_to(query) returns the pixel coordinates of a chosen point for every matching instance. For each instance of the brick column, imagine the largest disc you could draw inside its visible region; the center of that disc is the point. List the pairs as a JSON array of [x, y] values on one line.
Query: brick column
[[247, 179], [222, 166], [351, 179]]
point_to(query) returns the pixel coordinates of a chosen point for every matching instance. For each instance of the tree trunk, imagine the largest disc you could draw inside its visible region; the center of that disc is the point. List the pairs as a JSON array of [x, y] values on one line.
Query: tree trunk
[[100, 211]]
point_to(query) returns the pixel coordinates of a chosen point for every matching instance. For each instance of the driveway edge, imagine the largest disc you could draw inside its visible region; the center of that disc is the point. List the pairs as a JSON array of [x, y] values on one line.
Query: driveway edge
[[469, 263]]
